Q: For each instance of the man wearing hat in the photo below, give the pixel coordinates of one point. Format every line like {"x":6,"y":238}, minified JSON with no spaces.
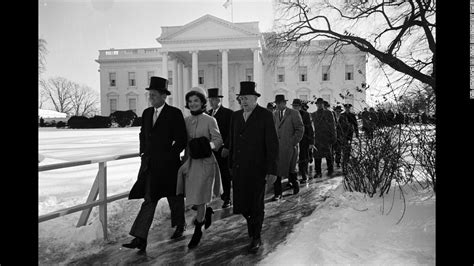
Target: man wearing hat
{"x":222,"y":115}
{"x":338,"y":145}
{"x":324,"y":137}
{"x":290,"y":130}
{"x":305,"y":142}
{"x":253,"y":151}
{"x":270,"y":107}
{"x":349,"y":126}
{"x":162,"y":138}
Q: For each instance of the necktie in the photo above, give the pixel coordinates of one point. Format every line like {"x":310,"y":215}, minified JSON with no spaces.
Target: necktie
{"x":155,"y":116}
{"x":281,"y":114}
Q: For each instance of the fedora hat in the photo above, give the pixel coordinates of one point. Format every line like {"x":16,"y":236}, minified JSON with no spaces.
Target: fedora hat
{"x":296,"y":102}
{"x":347,"y":105}
{"x":213,"y":93}
{"x":338,"y":108}
{"x":280,"y":98}
{"x":248,"y":88}
{"x":320,"y":100}
{"x":159,"y":84}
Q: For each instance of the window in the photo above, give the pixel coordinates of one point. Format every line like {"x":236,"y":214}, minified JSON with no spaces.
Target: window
{"x":280,"y":74}
{"x":131,"y":79}
{"x":170,"y":77}
{"x":112,"y":79}
{"x":326,"y":73}
{"x":201,"y":77}
{"x":113,"y":105}
{"x":249,"y":74}
{"x":132,"y":104}
{"x":349,"y":72}
{"x":149,"y":75}
{"x":303,"y":73}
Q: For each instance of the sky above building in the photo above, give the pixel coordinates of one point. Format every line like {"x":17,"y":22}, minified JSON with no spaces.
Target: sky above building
{"x":76,"y":30}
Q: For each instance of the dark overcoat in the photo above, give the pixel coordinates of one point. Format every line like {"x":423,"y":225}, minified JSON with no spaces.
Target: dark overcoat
{"x":161,"y":146}
{"x":222,"y":117}
{"x":324,"y":132}
{"x":253,"y":154}
{"x":349,"y":126}
{"x":308,"y":136}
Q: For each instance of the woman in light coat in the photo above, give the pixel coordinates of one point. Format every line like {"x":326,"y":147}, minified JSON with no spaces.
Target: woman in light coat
{"x":199,"y":179}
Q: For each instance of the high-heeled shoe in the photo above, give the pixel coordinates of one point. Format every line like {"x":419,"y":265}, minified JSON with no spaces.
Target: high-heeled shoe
{"x":208,"y":217}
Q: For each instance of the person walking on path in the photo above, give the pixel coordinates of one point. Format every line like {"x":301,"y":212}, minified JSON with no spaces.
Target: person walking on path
{"x":222,"y":115}
{"x":199,"y":177}
{"x":290,"y":130}
{"x":305,"y":142}
{"x":252,"y":159}
{"x":162,"y":138}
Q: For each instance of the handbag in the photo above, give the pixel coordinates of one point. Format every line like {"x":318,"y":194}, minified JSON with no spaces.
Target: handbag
{"x":199,"y":148}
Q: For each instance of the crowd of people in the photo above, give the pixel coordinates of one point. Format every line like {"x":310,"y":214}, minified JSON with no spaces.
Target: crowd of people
{"x":244,"y":153}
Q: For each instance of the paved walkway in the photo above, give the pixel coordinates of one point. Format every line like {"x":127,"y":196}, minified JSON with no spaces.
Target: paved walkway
{"x":226,"y":241}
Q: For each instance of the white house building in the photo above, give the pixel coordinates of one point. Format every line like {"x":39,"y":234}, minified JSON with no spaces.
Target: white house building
{"x":212,"y":52}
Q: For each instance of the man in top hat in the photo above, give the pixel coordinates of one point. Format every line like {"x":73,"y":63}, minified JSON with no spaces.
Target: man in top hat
{"x":324,"y":137}
{"x":290,"y":130}
{"x":337,"y":148}
{"x":162,"y":138}
{"x":349,"y":126}
{"x":222,"y":115}
{"x":253,"y":151}
{"x":305,"y":142}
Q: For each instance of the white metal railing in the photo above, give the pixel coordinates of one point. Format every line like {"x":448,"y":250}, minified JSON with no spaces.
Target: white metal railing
{"x":99,"y":187}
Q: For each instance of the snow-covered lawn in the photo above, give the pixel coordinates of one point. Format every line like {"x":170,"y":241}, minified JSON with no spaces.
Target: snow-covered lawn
{"x":353,"y":229}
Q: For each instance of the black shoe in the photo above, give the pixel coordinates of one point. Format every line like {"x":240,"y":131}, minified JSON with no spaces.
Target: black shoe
{"x":197,"y":234}
{"x":296,"y":188}
{"x":255,"y":245}
{"x":276,"y":198}
{"x":136,"y":243}
{"x":208,"y":217}
{"x":226,"y":204}
{"x":178,"y":232}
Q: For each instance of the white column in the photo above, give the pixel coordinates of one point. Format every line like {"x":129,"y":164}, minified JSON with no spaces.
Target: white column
{"x":194,"y":80}
{"x":180,"y":86}
{"x":164,"y":67}
{"x":225,"y":78}
{"x":257,"y":74}
{"x":186,"y":81}
{"x":174,"y":63}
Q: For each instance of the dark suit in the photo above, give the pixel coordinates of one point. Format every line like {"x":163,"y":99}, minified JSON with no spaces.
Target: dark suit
{"x":160,"y":146}
{"x":253,"y":154}
{"x":223,"y":117}
{"x":324,"y":138}
{"x":308,"y":139}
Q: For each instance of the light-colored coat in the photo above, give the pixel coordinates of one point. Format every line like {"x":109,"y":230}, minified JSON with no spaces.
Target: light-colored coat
{"x":198,"y":179}
{"x":290,"y":131}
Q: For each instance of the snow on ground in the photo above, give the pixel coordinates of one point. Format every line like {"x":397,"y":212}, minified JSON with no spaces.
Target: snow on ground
{"x":351,"y":228}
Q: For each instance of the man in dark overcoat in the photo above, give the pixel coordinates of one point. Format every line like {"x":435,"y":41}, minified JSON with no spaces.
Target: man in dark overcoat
{"x":222,"y":115}
{"x":349,"y":127}
{"x":252,"y":159}
{"x":305,"y":142}
{"x":337,"y":148}
{"x":162,"y":138}
{"x":324,"y":137}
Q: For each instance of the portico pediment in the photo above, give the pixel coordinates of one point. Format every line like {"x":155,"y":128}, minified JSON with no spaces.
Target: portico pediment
{"x":207,"y":28}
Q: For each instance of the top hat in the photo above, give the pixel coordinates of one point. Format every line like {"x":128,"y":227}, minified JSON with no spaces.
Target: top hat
{"x":338,"y":108}
{"x":280,"y":98}
{"x":159,"y":84}
{"x":348,"y":105}
{"x":320,"y":100}
{"x":296,"y":102}
{"x":213,"y":93}
{"x":248,"y":88}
